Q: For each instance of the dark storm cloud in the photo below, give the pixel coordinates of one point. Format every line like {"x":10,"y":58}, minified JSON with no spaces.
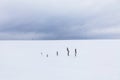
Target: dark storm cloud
{"x":62,"y":19}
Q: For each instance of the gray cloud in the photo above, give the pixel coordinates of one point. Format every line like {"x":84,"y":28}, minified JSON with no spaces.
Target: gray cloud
{"x":61,"y":19}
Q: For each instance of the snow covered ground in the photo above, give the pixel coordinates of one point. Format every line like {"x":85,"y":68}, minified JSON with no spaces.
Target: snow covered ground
{"x":95,"y":60}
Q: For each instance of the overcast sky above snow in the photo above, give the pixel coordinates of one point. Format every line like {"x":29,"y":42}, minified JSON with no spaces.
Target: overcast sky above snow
{"x":59,"y":19}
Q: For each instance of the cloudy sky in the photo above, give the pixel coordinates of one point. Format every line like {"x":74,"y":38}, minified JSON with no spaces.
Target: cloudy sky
{"x":59,"y":19}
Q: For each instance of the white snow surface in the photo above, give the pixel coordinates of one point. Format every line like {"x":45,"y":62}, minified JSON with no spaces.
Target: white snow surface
{"x":95,"y":60}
